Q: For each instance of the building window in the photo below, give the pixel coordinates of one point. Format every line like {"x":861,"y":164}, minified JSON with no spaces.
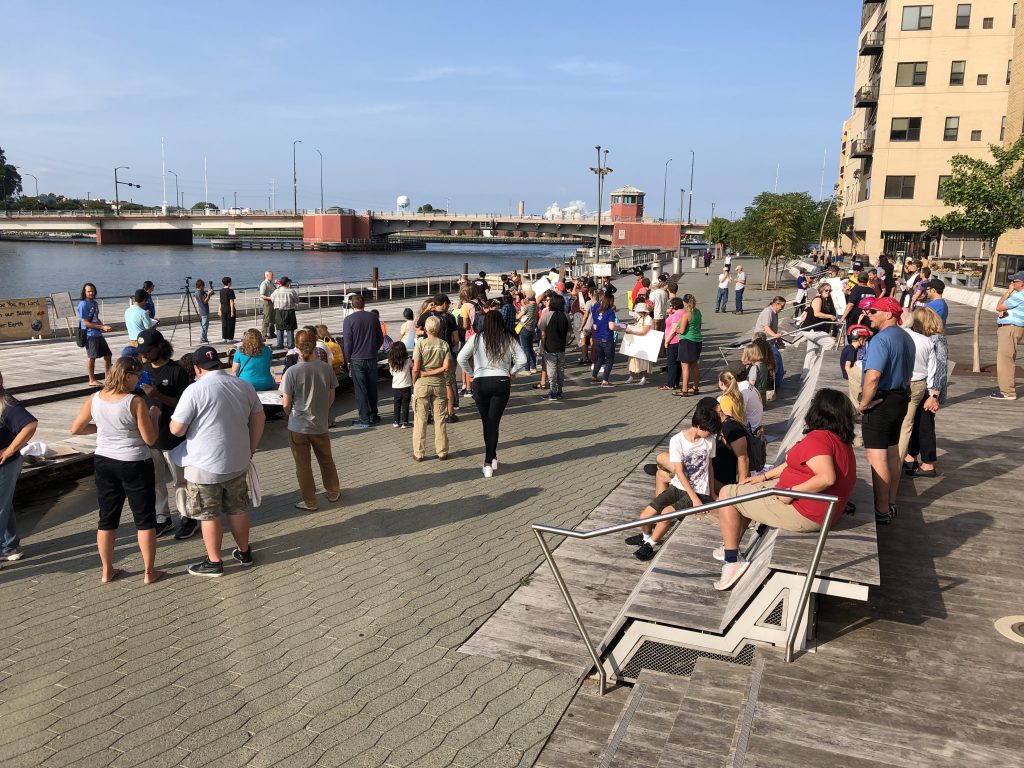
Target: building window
{"x":951,"y":129}
{"x":911,"y":73}
{"x":905,"y":129}
{"x":1002,"y":128}
{"x":956,"y":72}
{"x":982,"y":79}
{"x":986,"y":23}
{"x":899,"y":187}
{"x":942,"y":180}
{"x":963,"y":16}
{"x":975,"y":135}
{"x":1009,"y":70}
{"x":917,"y":17}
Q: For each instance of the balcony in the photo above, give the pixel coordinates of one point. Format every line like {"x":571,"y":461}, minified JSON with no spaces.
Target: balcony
{"x":872,"y":42}
{"x":862,"y":147}
{"x":866,"y":96}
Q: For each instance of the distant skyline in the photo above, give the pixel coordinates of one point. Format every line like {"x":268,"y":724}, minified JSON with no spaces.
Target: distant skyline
{"x":477,"y":104}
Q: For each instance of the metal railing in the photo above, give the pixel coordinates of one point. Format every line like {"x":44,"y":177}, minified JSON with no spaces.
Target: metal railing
{"x":540,"y":529}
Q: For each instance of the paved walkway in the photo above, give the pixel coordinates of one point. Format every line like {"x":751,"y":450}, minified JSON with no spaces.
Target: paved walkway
{"x":338,"y":647}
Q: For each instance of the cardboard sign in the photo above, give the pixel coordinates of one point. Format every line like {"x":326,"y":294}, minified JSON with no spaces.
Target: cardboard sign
{"x":644,"y":347}
{"x":838,"y":297}
{"x":63,"y":307}
{"x":23,"y":319}
{"x":601,"y":270}
{"x":540,"y":286}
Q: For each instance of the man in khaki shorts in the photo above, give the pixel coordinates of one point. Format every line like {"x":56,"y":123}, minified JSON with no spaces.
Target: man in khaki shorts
{"x":221,"y":419}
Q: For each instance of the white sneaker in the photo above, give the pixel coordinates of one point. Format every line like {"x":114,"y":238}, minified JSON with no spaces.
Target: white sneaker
{"x":494,"y":464}
{"x":719,"y":554}
{"x":731,"y":573}
{"x":643,"y":380}
{"x":629,"y":380}
{"x":488,"y":472}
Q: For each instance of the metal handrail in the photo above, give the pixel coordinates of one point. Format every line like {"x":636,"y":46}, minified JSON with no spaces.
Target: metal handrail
{"x":723,"y":348}
{"x":539,"y":529}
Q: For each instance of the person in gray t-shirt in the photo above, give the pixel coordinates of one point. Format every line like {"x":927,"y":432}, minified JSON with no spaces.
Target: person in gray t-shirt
{"x":308,"y":392}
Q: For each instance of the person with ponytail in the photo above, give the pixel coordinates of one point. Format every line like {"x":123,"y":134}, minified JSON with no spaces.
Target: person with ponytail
{"x":492,"y":358}
{"x":17,"y":426}
{"x":307,"y":396}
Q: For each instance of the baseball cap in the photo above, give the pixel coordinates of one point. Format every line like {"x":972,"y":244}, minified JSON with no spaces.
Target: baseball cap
{"x":129,"y":352}
{"x":149,"y":340}
{"x":867,"y":302}
{"x":859,"y":331}
{"x":1019,"y":275}
{"x":207,"y":358}
{"x":936,"y":285}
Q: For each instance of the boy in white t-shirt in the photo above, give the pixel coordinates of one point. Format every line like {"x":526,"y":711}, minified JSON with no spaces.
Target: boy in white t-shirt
{"x":690,"y":453}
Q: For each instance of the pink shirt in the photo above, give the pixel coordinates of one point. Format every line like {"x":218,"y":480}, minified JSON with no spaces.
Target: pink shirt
{"x":670,"y":323}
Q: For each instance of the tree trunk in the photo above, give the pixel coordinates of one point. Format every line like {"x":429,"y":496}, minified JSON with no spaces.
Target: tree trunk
{"x":767,"y":268}
{"x":986,"y":281}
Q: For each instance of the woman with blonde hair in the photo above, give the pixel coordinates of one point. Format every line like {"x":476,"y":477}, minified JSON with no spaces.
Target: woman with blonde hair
{"x":252,"y":362}
{"x":691,"y":342}
{"x":730,"y":390}
{"x":753,"y":360}
{"x":123,"y":465}
{"x":927,"y":322}
{"x":307,"y":391}
{"x":431,"y":360}
{"x":817,"y":324}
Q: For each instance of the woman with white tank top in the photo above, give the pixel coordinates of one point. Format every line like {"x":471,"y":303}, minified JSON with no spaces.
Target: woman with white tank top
{"x":124,"y":430}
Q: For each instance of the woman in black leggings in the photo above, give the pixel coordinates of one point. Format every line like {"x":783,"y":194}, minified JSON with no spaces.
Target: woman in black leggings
{"x":492,"y":358}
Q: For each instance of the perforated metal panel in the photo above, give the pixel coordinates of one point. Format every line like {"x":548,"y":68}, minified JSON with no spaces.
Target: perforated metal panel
{"x":775,"y":617}
{"x":677,"y":660}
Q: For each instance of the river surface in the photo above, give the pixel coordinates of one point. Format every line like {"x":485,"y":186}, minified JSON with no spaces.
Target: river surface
{"x":29,"y":269}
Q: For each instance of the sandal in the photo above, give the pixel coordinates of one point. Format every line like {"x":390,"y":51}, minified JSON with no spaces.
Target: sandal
{"x":538,"y":386}
{"x":680,"y":393}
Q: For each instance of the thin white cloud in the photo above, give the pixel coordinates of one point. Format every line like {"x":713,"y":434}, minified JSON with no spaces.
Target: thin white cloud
{"x":429,"y":74}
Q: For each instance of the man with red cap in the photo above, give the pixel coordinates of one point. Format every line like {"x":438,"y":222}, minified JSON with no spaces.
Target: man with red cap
{"x":884,"y":398}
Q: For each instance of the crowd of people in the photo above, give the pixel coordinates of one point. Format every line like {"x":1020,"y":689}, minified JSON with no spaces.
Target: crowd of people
{"x":192,"y":427}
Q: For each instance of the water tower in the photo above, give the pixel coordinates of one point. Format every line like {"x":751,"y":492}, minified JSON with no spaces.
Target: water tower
{"x":403,"y":203}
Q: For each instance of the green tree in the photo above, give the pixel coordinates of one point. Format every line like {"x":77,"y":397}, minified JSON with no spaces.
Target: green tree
{"x":775,"y":226}
{"x":717,"y":233}
{"x":426,"y":208}
{"x":10,"y":179}
{"x":988,"y":199}
{"x":203,"y":205}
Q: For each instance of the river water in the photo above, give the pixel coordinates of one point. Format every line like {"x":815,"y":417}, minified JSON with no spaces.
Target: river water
{"x":29,"y":269}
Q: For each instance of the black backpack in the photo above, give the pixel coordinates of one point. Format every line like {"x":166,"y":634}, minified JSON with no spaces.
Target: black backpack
{"x":478,"y":318}
{"x":757,"y":449}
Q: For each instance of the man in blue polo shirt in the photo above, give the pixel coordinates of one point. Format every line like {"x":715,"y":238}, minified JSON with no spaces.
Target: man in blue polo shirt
{"x":884,"y":398}
{"x":1010,"y":310}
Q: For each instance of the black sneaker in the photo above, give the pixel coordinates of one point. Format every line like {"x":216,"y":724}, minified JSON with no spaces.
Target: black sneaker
{"x":245,"y":558}
{"x":207,"y":568}
{"x":644,"y":552}
{"x":635,"y":541}
{"x":188,"y":528}
{"x":452,"y":418}
{"x":651,"y":469}
{"x":164,"y":527}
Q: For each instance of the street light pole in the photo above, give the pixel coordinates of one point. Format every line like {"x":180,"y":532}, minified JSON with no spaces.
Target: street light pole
{"x":682,"y":196}
{"x":295,"y":181}
{"x":664,"y":190}
{"x":177,"y":201}
{"x":37,"y":183}
{"x":321,"y":180}
{"x":601,"y":170}
{"x":689,"y":208}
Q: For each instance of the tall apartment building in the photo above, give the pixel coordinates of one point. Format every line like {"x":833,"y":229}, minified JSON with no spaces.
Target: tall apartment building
{"x":932,"y":81}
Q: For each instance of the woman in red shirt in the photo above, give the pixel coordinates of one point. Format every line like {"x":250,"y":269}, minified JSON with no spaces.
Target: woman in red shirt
{"x":822,"y":462}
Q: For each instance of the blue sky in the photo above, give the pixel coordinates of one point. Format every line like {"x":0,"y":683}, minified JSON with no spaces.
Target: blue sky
{"x":483,"y":104}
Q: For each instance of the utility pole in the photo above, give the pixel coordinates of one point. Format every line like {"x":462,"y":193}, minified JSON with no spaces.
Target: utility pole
{"x":163,"y":176}
{"x":295,"y":181}
{"x":601,"y":170}
{"x":206,"y":189}
{"x":689,"y":209}
{"x":321,"y":180}
{"x":664,"y":190}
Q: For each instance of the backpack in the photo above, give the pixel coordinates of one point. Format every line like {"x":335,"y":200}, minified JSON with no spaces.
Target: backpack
{"x":387,"y":344}
{"x":757,"y":449}
{"x":478,"y":319}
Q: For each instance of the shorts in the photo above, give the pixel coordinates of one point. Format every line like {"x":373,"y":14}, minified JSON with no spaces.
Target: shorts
{"x":207,"y":502}
{"x":689,"y":351}
{"x":770,"y":510}
{"x":449,"y":376}
{"x":96,"y":346}
{"x":676,"y":498}
{"x":880,"y":427}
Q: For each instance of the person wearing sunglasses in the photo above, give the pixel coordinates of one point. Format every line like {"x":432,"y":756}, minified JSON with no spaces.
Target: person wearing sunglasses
{"x":884,"y":399}
{"x":1010,"y":311}
{"x":818,"y":322}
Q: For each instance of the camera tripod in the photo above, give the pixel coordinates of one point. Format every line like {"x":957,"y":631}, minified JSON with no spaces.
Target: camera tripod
{"x":187,"y":304}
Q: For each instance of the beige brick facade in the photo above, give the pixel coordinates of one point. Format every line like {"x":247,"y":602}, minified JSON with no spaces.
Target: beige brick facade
{"x":898,"y":141}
